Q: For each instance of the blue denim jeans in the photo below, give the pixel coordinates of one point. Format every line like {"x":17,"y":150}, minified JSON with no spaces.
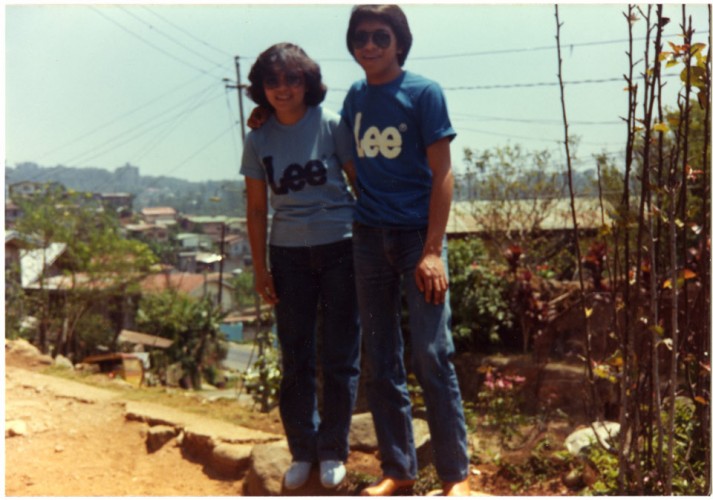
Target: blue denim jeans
{"x":305,"y":278}
{"x":384,"y":262}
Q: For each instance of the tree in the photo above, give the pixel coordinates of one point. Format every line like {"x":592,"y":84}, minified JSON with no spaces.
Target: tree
{"x":517,"y":191}
{"x":660,"y":271}
{"x":194,"y":327}
{"x":100,"y":267}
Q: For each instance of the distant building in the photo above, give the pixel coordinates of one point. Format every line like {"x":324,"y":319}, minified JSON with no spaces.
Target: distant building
{"x":210,"y":225}
{"x":15,"y":243}
{"x":480,"y":217}
{"x":12,"y":213}
{"x":28,"y":189}
{"x":163,"y":215}
{"x":121,"y":203}
{"x":146,"y":232}
{"x":128,"y":177}
{"x":236,"y":246}
{"x":199,"y":262}
{"x":195,"y":285}
{"x":40,"y":264}
{"x":194,"y":241}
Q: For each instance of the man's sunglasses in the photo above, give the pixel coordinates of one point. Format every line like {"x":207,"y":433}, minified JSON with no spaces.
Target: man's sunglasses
{"x":381,"y":38}
{"x":290,"y":79}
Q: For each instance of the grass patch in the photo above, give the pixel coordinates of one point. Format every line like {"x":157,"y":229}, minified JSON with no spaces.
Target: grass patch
{"x":184,"y":400}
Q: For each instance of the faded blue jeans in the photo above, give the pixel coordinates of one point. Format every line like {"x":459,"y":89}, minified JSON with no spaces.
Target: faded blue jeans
{"x":305,"y":278}
{"x":384,"y":262}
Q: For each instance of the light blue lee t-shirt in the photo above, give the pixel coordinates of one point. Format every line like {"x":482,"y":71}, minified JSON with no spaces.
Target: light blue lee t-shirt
{"x":302,"y":166}
{"x":393,"y":124}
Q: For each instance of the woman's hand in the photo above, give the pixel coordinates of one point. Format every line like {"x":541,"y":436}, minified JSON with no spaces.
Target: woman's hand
{"x":265,"y":287}
{"x":258,"y":117}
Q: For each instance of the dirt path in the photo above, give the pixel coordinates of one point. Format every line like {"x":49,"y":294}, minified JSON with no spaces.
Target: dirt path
{"x":65,"y":438}
{"x":78,"y":443}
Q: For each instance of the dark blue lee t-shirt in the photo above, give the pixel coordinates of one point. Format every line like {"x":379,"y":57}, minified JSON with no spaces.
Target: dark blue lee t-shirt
{"x":392,"y":125}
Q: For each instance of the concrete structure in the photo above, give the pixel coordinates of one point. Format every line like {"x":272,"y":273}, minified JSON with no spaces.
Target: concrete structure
{"x":479,"y":217}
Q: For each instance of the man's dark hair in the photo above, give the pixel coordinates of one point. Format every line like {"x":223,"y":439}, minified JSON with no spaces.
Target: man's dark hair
{"x":388,"y":14}
{"x":284,"y":57}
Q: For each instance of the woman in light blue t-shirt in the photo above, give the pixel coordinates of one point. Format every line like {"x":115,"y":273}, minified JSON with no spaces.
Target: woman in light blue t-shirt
{"x":297,"y":160}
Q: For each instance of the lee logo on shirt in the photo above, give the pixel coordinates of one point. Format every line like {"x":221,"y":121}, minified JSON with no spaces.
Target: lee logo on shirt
{"x":296,"y":176}
{"x":374,"y":141}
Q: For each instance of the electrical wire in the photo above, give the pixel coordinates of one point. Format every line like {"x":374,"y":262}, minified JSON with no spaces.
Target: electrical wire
{"x":182,"y":30}
{"x":177,"y":167}
{"x":132,"y":134}
{"x":169,"y":37}
{"x":232,"y":120}
{"x":167,"y":131}
{"x":516,"y":50}
{"x":431,"y":57}
{"x":155,"y":47}
{"x":152,"y":101}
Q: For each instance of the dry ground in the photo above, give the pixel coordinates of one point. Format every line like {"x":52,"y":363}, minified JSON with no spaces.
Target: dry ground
{"x":78,"y":443}
{"x":81,"y":448}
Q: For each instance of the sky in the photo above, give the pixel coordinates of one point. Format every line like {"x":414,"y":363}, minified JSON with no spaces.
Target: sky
{"x":98,"y":85}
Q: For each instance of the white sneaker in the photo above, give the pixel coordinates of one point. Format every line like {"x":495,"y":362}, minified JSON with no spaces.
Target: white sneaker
{"x":331,"y":473}
{"x":297,"y":475}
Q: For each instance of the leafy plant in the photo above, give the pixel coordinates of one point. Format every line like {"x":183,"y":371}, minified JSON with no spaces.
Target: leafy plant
{"x":478,"y":296}
{"x":689,"y":462}
{"x":262,"y":379}
{"x":499,"y":403}
{"x":194,"y":327}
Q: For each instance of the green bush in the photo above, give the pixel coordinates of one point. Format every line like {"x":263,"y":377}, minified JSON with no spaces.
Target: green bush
{"x":689,"y":464}
{"x":481,"y":313}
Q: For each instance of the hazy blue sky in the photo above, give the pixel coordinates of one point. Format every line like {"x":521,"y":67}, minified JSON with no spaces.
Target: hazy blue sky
{"x":104,"y":85}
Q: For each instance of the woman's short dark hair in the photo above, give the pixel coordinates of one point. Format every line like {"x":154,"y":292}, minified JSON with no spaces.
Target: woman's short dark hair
{"x":283,"y":57}
{"x":388,"y":14}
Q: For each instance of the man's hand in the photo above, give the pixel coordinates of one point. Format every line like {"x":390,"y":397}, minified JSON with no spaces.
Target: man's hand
{"x":431,"y":279}
{"x":258,"y":117}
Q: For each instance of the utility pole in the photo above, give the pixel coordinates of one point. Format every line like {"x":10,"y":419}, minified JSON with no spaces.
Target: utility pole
{"x":240,"y":98}
{"x":222,"y":258}
{"x":258,"y":323}
{"x":239,"y":87}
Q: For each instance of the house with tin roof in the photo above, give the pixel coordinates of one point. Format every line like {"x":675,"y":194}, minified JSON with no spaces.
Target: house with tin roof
{"x":162,"y":215}
{"x":549,"y":216}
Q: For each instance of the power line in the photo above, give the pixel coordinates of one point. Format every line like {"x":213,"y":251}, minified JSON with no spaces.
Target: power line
{"x":166,"y":53}
{"x":169,"y":129}
{"x":169,"y":37}
{"x":517,"y":50}
{"x":232,"y":120}
{"x":133,"y":133}
{"x":112,"y":121}
{"x":542,"y":121}
{"x":533,"y":49}
{"x":521,"y":137}
{"x":203,"y":42}
{"x":183,"y":163}
{"x":152,"y":101}
{"x":498,"y":86}
{"x":200,"y":150}
{"x":445,"y":56}
{"x":160,"y":114}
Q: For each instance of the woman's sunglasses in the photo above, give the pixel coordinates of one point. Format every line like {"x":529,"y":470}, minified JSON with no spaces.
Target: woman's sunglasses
{"x":290,"y":79}
{"x":381,"y":38}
